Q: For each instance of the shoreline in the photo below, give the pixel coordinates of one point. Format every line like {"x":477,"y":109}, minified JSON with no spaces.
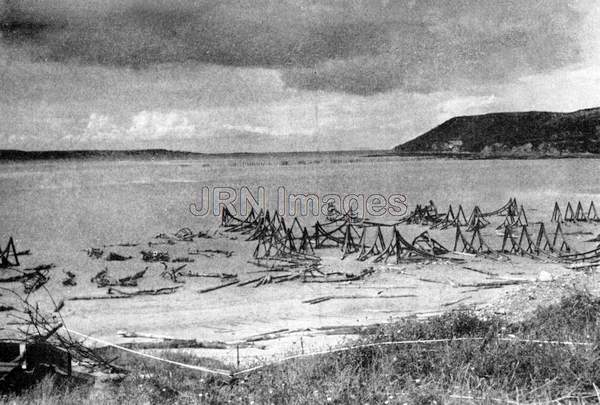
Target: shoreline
{"x":19,"y":156}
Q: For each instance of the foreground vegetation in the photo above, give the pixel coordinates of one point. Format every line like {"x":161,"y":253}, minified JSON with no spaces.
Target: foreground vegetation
{"x":480,"y":371}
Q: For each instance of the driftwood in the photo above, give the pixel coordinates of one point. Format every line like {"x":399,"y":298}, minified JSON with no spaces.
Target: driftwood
{"x":218,"y":287}
{"x":70,"y":280}
{"x":112,"y":256}
{"x":155,"y":256}
{"x":427,"y":280}
{"x":488,"y":273}
{"x":35,"y":281}
{"x":103,"y":280}
{"x":95,"y":253}
{"x":447,"y":304}
{"x":185,"y":234}
{"x":125,"y":244}
{"x":19,"y":277}
{"x":131,"y":281}
{"x":167,"y":342}
{"x":176,"y":344}
{"x":41,"y":267}
{"x":494,"y":284}
{"x":318,"y":300}
{"x":348,"y":276}
{"x":125,"y":294}
{"x":173,"y":273}
{"x":209,"y":275}
{"x":211,"y":252}
{"x":183,"y":260}
{"x":254,"y":280}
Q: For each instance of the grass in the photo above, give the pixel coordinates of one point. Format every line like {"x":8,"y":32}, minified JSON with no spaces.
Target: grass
{"x":482,"y":371}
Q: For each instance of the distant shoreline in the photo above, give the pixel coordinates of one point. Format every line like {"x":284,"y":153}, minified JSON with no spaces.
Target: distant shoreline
{"x":164,"y":154}
{"x":13,"y":155}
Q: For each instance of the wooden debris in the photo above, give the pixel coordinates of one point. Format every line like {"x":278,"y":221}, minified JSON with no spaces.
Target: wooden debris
{"x":70,"y":280}
{"x":112,"y":256}
{"x":185,"y":234}
{"x":319,"y":300}
{"x":131,"y":281}
{"x":481,"y":271}
{"x":125,"y":244}
{"x":95,"y":253}
{"x":101,"y":278}
{"x":447,"y":304}
{"x":495,"y":284}
{"x":157,"y":291}
{"x":172,"y":273}
{"x":218,"y":287}
{"x":155,"y":256}
{"x":125,"y":294}
{"x":35,"y":281}
{"x":183,"y":260}
{"x":9,"y":256}
{"x":211,"y":252}
{"x":210,"y":275}
{"x":41,"y":267}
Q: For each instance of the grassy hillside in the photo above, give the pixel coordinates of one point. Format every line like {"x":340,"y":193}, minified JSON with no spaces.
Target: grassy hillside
{"x":455,"y":372}
{"x":519,"y":133}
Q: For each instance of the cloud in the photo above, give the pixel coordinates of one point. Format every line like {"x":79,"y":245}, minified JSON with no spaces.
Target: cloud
{"x":101,"y":128}
{"x":143,"y":126}
{"x":355,"y":46}
{"x":154,"y":124}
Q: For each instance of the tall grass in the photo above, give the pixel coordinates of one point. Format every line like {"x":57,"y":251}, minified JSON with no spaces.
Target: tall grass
{"x":479,"y":371}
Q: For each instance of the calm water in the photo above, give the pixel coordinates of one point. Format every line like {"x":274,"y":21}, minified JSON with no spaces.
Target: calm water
{"x":76,"y":204}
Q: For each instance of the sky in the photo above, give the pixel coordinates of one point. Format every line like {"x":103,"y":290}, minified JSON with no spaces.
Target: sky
{"x":282,"y":75}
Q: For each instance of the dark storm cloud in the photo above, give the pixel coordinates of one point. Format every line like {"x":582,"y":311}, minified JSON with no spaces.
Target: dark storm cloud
{"x":361,"y":47}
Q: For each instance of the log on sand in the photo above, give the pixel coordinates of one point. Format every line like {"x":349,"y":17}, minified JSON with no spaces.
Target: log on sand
{"x":218,"y":287}
{"x":318,"y":300}
{"x":125,"y":294}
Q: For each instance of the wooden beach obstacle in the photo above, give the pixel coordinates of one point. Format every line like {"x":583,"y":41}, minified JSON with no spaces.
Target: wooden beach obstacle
{"x":476,"y":220}
{"x":8,"y":255}
{"x":446,"y":219}
{"x":542,"y":241}
{"x":557,"y":215}
{"x":475,"y":245}
{"x":510,"y":243}
{"x":377,"y":248}
{"x":460,"y":219}
{"x":349,"y":245}
{"x":426,"y":243}
{"x":403,"y":251}
{"x":510,"y":208}
{"x":569,"y":213}
{"x":579,"y":214}
{"x":305,"y":243}
{"x":592,"y":214}
{"x":589,"y":256}
{"x":424,"y":215}
{"x":525,"y":244}
{"x":560,"y":240}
